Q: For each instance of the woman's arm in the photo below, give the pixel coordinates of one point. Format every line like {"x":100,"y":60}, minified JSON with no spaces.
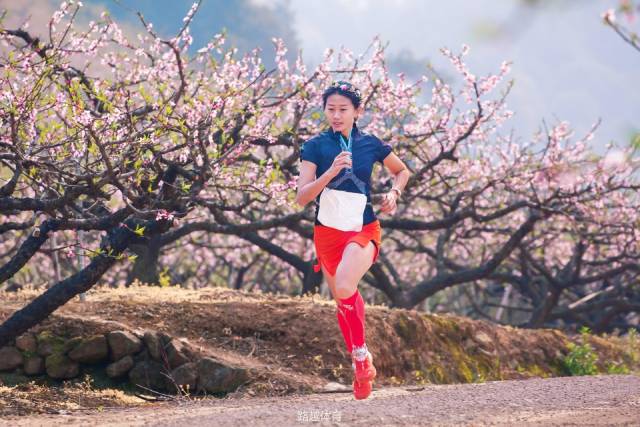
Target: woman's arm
{"x":309,"y":187}
{"x":401,"y":175}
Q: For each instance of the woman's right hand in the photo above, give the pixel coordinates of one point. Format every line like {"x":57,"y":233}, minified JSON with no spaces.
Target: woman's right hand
{"x":342,"y":160}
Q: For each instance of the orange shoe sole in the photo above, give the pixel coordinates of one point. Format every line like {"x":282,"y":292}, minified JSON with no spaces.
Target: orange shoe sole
{"x":361,"y":390}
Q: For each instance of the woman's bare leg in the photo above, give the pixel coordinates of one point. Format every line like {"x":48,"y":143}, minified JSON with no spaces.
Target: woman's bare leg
{"x":331,"y":282}
{"x":355,"y":263}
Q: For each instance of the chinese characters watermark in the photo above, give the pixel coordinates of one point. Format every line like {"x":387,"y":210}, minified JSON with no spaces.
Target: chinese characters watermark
{"x":319,"y":415}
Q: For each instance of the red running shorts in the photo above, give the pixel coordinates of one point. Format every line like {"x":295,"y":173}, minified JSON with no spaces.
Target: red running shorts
{"x":330,"y":243}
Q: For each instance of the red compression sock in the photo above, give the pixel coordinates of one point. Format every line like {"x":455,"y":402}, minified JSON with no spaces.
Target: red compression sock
{"x":344,"y":327}
{"x":353,"y":310}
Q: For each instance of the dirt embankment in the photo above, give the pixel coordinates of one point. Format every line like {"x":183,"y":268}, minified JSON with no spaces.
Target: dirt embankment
{"x":293,"y":345}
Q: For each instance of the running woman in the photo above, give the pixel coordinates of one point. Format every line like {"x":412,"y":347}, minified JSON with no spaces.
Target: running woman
{"x":335,"y":170}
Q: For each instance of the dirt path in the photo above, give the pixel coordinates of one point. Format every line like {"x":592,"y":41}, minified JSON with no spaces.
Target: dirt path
{"x":576,"y":401}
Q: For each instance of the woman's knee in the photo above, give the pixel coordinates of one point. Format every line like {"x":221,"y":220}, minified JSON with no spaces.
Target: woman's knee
{"x":346,"y":291}
{"x":345,"y":285}
{"x":332,"y":288}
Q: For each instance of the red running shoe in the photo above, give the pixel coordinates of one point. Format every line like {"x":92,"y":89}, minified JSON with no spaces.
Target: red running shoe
{"x":361,"y":390}
{"x":362,"y":363}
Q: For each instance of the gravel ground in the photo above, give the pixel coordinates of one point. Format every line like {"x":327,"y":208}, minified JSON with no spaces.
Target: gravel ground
{"x":612,"y":400}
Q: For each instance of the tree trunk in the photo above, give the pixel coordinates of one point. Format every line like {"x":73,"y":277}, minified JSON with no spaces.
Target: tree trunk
{"x":28,"y":248}
{"x":113,"y":245}
{"x":541,"y":313}
{"x":312,"y":280}
{"x":239,"y":281}
{"x":145,"y":268}
{"x":57,"y":295}
{"x":54,"y":297}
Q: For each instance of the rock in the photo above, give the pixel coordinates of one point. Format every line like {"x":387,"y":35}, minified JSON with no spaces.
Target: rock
{"x":10,"y":358}
{"x":214,"y":377}
{"x":190,"y":351}
{"x":27,"y":342}
{"x":177,"y":352}
{"x":123,"y":343}
{"x":143,"y":355}
{"x":90,"y":350}
{"x":148,"y":374}
{"x":154,"y":344}
{"x":34,"y":365}
{"x":334,"y":387}
{"x":49,"y":344}
{"x":164,"y":348}
{"x":120,"y":367}
{"x":71,"y":344}
{"x":184,"y":376}
{"x":165,"y":338}
{"x":60,"y":367}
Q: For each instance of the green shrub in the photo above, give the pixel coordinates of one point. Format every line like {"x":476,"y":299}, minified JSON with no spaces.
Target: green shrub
{"x":617,"y":368}
{"x":581,"y":359}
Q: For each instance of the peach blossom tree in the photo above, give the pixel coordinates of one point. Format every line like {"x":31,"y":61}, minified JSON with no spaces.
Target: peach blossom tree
{"x":138,"y":154}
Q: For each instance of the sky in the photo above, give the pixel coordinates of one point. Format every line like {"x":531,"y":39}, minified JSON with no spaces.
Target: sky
{"x":566,"y":64}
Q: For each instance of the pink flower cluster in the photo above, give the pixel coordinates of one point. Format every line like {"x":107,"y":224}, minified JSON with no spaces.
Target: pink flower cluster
{"x":164,"y":215}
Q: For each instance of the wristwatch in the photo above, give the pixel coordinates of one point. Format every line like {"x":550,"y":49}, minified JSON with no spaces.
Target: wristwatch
{"x":397,"y":190}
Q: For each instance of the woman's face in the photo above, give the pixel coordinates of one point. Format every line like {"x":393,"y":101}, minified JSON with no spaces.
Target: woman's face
{"x":340,"y":113}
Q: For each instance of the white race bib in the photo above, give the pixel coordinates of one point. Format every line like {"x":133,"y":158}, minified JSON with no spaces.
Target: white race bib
{"x":342,"y":210}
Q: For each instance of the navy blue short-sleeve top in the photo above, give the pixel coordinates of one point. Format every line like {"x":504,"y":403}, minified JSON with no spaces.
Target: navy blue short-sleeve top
{"x":367,"y":149}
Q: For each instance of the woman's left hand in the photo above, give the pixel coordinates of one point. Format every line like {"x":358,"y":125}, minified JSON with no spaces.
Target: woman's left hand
{"x":389,"y":203}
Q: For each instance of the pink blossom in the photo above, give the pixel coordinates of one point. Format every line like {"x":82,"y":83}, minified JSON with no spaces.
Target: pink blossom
{"x":164,"y":215}
{"x":609,"y":16}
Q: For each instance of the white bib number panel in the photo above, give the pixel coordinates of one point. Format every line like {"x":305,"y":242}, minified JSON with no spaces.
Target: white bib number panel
{"x":342,"y":210}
